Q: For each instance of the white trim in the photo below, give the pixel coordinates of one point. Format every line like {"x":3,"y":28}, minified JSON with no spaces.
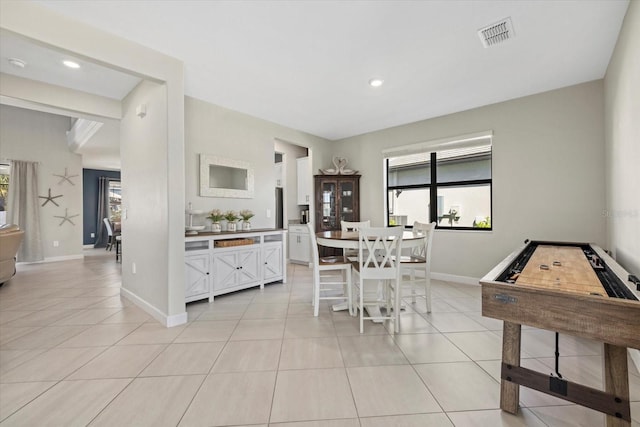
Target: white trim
{"x":168,"y":321}
{"x":466,"y":280}
{"x":634,"y":354}
{"x":176,"y":320}
{"x":54,"y":259}
{"x":81,"y":132}
{"x":459,"y":141}
{"x":89,"y":247}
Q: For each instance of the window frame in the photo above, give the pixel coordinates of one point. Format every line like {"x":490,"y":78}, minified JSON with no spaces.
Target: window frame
{"x":433,"y":187}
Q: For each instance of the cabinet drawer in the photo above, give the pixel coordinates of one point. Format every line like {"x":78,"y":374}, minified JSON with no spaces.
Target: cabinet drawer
{"x":298,"y":229}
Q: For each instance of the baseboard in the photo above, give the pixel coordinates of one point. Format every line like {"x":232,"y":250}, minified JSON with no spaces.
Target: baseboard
{"x":168,"y":321}
{"x":635,"y":357}
{"x":55,"y":259}
{"x":466,"y":280}
{"x":87,"y":246}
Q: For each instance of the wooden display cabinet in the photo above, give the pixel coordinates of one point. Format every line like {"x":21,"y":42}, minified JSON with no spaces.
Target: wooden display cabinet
{"x":337,"y":199}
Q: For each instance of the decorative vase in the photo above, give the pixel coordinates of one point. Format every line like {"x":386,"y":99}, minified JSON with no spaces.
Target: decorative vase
{"x":216,"y":227}
{"x":231,"y":226}
{"x":246,"y":225}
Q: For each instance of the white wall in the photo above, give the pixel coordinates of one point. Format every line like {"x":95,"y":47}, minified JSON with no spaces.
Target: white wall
{"x":41,"y":137}
{"x":622,"y":130}
{"x":144,"y":161}
{"x":215,"y":130}
{"x":43,"y":26}
{"x":548,"y":173}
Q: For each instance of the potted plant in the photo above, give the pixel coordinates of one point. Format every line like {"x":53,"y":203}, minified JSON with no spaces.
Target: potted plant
{"x":246,"y":215}
{"x":216,"y":216}
{"x":231,"y":217}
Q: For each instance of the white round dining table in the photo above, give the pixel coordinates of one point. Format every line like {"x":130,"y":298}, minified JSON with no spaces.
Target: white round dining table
{"x":349,"y":240}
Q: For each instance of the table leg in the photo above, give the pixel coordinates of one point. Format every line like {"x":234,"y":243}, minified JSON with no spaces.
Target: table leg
{"x":510,"y":391}
{"x":616,"y":379}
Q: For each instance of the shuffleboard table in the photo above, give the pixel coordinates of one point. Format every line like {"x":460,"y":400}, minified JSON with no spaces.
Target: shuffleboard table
{"x":569,"y":288}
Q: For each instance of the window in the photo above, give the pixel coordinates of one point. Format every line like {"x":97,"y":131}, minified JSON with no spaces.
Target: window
{"x":115,"y":200}
{"x":4,"y":192}
{"x":449,"y":184}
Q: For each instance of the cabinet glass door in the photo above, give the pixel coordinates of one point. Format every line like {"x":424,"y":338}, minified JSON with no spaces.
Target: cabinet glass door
{"x":328,"y":208}
{"x":346,"y":201}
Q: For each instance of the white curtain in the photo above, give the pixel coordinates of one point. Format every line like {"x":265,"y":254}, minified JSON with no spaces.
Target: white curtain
{"x":23,"y":208}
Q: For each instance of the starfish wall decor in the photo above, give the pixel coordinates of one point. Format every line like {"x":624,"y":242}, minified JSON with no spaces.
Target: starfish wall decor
{"x":66,"y":217}
{"x":50,"y":198}
{"x":65,"y":177}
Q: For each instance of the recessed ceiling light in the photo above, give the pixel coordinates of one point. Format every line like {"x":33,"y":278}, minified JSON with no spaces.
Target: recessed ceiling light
{"x":18,"y":63}
{"x":71,"y":64}
{"x":376,"y":82}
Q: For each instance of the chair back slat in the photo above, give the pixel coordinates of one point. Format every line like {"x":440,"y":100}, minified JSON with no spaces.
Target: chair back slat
{"x":423,"y":252}
{"x":107,"y":223}
{"x":378,"y":248}
{"x":354,"y":225}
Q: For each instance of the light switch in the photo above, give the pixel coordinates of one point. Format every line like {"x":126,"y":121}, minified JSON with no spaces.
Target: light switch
{"x":268,"y":213}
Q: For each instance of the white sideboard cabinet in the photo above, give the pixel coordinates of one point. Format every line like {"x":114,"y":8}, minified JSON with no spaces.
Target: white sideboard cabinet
{"x":219,"y":263}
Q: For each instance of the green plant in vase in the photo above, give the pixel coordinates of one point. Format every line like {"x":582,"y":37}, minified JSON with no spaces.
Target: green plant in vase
{"x":246,"y":215}
{"x":231,"y":217}
{"x":216,"y":216}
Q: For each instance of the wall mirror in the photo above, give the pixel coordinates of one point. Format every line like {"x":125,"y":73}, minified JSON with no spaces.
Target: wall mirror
{"x":220,"y":177}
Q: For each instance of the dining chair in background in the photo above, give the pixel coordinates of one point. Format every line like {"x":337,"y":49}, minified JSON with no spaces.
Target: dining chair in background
{"x":353,"y":226}
{"x":111,"y":240}
{"x":326,"y":283}
{"x":378,"y":260}
{"x":419,"y":260}
{"x":118,"y":247}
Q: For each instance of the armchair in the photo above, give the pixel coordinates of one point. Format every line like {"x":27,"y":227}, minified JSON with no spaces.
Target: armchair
{"x":10,"y":240}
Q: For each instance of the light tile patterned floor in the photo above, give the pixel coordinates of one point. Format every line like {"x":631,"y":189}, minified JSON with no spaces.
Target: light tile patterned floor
{"x":73,"y":353}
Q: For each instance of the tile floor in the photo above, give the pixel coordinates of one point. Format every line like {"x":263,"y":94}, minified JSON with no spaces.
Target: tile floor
{"x":73,"y":353}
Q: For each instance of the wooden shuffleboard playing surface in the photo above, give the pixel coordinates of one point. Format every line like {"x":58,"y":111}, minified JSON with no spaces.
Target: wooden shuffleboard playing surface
{"x":562,"y":268}
{"x":569,"y":288}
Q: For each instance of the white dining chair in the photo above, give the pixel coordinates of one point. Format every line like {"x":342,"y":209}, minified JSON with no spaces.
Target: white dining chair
{"x":110,"y":234}
{"x":326,"y":284}
{"x":119,"y":248}
{"x":352,"y":226}
{"x":419,"y":261}
{"x":378,"y":250}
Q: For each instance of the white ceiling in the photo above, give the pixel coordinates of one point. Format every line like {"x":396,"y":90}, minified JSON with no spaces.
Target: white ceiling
{"x":45,"y":64}
{"x":306,"y":64}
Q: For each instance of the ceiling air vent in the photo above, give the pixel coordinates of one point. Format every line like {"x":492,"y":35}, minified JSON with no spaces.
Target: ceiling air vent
{"x":496,"y":33}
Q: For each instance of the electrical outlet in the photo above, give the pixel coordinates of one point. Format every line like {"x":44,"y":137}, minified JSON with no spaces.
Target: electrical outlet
{"x":56,"y":243}
{"x":93,"y":235}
